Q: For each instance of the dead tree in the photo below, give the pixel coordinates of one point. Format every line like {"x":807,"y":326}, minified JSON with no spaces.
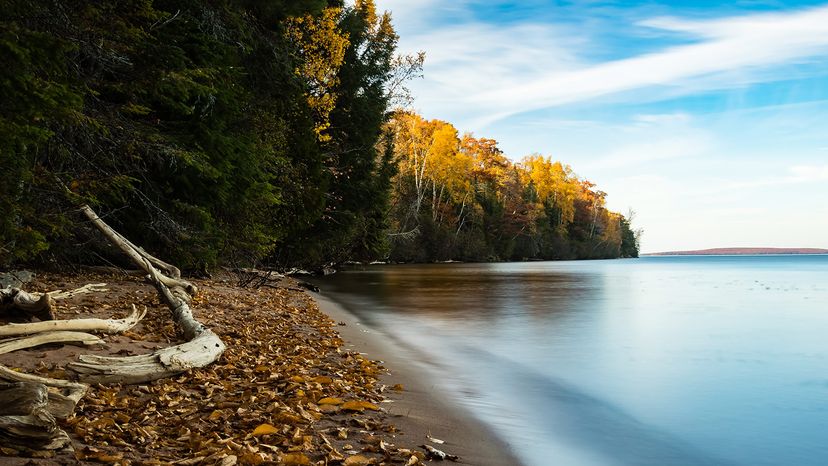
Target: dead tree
{"x":30,"y":404}
{"x":202,"y":348}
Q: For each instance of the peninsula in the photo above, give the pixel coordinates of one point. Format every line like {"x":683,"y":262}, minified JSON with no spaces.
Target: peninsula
{"x":740,"y":252}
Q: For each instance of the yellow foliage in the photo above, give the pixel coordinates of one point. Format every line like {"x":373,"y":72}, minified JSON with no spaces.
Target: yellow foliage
{"x":320,"y":47}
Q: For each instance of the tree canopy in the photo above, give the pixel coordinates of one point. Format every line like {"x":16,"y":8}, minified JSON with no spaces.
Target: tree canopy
{"x":461,"y":198}
{"x":243,"y":132}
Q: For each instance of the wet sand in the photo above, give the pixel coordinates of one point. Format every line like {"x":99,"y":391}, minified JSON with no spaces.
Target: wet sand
{"x":420,"y":409}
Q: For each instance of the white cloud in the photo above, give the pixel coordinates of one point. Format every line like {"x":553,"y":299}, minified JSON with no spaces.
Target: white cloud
{"x":665,"y":148}
{"x":808,"y":173}
{"x":662,"y":118}
{"x":796,"y":174}
{"x":479,"y":73}
{"x":728,"y":45}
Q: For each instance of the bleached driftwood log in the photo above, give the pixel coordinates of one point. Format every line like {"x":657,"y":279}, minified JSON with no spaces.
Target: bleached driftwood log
{"x":139,"y":257}
{"x":203,"y":347}
{"x":61,"y":389}
{"x":88,"y":288}
{"x":39,"y":305}
{"x":28,"y":407}
{"x":25,"y":420}
{"x":15,"y":299}
{"x":14,"y":344}
{"x":110,"y":326}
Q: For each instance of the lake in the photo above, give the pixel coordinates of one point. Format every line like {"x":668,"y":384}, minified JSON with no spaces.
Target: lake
{"x":653,"y":361}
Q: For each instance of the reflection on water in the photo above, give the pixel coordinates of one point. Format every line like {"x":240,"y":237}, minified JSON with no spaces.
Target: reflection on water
{"x":655,"y":361}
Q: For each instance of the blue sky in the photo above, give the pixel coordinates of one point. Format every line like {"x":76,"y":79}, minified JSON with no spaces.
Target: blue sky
{"x":708,"y":120}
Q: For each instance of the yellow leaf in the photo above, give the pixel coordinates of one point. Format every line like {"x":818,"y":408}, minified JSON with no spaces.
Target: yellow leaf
{"x":265,"y":429}
{"x":295,"y":459}
{"x":356,"y":460}
{"x":368,"y":405}
{"x":323,"y":380}
{"x":353,"y":406}
{"x":329,"y":401}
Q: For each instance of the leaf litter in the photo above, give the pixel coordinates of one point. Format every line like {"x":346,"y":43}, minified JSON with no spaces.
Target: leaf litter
{"x":285,"y":392}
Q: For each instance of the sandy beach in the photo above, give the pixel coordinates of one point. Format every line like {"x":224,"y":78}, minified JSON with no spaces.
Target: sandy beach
{"x":295,"y":387}
{"x":420,"y":409}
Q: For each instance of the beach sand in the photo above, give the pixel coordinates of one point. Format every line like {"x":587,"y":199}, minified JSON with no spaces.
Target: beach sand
{"x":420,"y":409}
{"x":283,"y":356}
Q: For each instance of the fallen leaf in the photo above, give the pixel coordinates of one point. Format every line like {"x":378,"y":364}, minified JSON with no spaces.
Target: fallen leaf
{"x":329,"y":401}
{"x":264,"y":429}
{"x":295,"y":459}
{"x":356,"y":460}
{"x":353,"y":406}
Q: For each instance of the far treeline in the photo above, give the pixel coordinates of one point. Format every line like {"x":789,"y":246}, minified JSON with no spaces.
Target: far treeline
{"x":241,"y":132}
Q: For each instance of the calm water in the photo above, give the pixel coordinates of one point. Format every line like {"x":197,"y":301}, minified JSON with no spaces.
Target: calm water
{"x":654,"y":361}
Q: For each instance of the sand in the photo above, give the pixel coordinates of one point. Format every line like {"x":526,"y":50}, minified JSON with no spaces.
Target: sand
{"x":287,"y":319}
{"x":421,"y":409}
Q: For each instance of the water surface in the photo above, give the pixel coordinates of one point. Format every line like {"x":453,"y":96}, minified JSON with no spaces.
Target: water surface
{"x":652,"y":361}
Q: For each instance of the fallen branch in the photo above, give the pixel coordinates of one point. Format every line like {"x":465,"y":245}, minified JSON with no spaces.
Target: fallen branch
{"x":17,"y":300}
{"x":90,"y":288}
{"x":138,"y":256}
{"x":203,"y":347}
{"x":14,"y":344}
{"x":25,"y":420}
{"x":40,"y":305}
{"x":110,"y":326}
{"x":71,"y":390}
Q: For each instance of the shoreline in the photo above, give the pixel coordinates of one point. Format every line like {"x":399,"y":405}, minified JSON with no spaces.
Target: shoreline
{"x":419,"y":409}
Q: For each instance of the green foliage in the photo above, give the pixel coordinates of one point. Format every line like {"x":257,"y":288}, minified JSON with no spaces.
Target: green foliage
{"x":188,"y":125}
{"x":241,"y":131}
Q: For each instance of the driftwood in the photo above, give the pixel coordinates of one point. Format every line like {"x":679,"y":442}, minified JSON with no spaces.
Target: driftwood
{"x":110,"y":326}
{"x":203,"y":347}
{"x":139,"y":257}
{"x":25,"y":420}
{"x":15,"y":300}
{"x":30,"y":404}
{"x":14,"y":344}
{"x":66,"y":389}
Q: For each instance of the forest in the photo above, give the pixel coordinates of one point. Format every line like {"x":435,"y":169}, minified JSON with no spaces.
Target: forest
{"x":239,"y":132}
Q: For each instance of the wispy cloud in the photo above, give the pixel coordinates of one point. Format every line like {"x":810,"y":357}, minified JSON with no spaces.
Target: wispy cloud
{"x":796,"y":174}
{"x":662,"y":118}
{"x":665,"y":148}
{"x":725,"y":46}
{"x":485,"y":72}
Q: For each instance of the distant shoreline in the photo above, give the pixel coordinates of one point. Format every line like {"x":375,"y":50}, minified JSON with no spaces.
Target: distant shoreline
{"x":743,"y":252}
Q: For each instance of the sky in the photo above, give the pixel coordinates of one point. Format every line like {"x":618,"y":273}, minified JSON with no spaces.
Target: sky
{"x":708,"y":119}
